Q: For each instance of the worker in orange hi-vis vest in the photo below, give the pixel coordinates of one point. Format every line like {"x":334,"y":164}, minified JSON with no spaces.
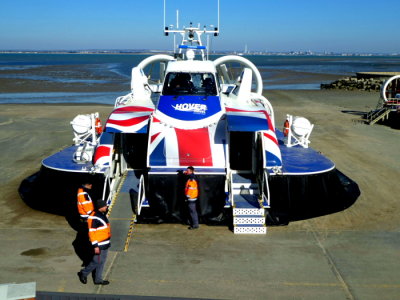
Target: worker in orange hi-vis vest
{"x":100,"y":235}
{"x":85,"y":203}
{"x":192,"y":193}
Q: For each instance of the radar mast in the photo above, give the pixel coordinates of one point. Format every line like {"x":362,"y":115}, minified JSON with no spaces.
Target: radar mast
{"x":191,"y":37}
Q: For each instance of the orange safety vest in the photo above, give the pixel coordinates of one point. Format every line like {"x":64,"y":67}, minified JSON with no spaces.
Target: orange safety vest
{"x":85,"y":204}
{"x":99,"y":230}
{"x":191,"y":190}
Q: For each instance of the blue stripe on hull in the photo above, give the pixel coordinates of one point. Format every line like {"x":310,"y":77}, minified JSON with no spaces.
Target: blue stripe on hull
{"x":157,"y":157}
{"x":246,"y":123}
{"x":189,"y":108}
{"x":272,"y":160}
{"x":115,"y":130}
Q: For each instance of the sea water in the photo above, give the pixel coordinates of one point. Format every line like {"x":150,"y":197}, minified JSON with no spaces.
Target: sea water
{"x":97,"y":70}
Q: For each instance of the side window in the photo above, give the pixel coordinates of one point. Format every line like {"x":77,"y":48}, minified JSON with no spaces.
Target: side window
{"x":208,"y":85}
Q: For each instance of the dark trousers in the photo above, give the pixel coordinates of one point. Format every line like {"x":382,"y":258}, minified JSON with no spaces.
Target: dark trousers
{"x":97,"y":264}
{"x":193,"y":213}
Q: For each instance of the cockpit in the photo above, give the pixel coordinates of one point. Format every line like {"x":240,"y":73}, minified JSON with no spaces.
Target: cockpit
{"x":185,"y":83}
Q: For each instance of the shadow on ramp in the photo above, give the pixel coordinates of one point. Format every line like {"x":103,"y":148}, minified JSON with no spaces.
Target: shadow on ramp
{"x":354,"y":112}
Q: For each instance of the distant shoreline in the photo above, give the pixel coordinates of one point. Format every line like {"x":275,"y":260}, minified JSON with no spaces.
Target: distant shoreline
{"x":226,"y":52}
{"x":81,"y":53}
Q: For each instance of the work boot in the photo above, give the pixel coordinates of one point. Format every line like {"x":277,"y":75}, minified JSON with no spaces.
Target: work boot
{"x":82,"y":278}
{"x":103,"y":282}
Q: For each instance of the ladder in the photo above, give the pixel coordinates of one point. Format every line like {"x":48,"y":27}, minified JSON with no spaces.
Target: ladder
{"x":248,"y":212}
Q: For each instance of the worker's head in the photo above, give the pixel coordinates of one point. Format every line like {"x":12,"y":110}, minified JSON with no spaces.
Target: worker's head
{"x":190,"y":170}
{"x":101,"y":206}
{"x":88,"y":185}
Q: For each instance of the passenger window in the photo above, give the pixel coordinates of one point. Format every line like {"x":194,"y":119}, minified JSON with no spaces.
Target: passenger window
{"x":202,"y":84}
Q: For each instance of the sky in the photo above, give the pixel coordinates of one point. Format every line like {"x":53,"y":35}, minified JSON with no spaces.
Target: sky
{"x":357,"y":26}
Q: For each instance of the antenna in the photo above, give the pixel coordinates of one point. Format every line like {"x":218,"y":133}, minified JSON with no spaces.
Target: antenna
{"x":167,"y":29}
{"x":164,"y":13}
{"x":218,"y":19}
{"x":191,"y":36}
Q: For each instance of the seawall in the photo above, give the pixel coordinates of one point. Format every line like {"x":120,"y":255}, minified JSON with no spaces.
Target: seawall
{"x":366,"y":81}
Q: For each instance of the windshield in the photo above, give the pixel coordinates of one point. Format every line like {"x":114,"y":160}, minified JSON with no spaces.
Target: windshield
{"x":190,"y":84}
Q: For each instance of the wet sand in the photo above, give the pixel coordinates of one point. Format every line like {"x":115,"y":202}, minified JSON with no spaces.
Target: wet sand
{"x":61,"y":78}
{"x":346,"y":245}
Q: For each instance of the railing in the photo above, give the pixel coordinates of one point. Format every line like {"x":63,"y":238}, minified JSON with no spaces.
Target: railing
{"x":373,"y":114}
{"x":376,"y":115}
{"x":392,"y":102}
{"x":230,"y":190}
{"x":113,"y":175}
{"x":107,"y":184}
{"x":141,"y":194}
{"x":266,"y":187}
{"x":382,"y":110}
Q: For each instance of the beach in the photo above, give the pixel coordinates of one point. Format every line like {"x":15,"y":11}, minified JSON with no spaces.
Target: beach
{"x":363,"y":239}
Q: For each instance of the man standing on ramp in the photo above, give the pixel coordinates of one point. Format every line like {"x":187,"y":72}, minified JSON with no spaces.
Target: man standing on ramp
{"x":191,"y":193}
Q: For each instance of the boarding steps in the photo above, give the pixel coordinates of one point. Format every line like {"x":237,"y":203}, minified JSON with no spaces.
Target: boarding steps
{"x":248,"y":212}
{"x":379,"y":114}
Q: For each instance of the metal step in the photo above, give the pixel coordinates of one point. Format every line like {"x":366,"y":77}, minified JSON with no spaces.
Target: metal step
{"x":248,"y":211}
{"x":245,"y":191}
{"x":248,"y":215}
{"x":243,"y":178}
{"x":246,"y":219}
{"x":247,"y":205}
{"x":246,"y":201}
{"x":247,"y":185}
{"x":249,"y":229}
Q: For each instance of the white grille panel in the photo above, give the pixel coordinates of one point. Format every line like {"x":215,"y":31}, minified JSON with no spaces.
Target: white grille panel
{"x":248,"y":211}
{"x":248,"y":220}
{"x":250,"y":230}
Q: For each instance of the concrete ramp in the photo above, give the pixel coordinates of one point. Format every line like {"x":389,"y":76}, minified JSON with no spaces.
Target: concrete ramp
{"x":122,"y":215}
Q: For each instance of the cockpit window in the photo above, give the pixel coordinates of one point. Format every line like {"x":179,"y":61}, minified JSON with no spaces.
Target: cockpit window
{"x":190,"y":84}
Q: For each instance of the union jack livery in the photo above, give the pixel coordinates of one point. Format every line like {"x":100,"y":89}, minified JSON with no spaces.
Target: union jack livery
{"x":211,"y":115}
{"x":129,"y":119}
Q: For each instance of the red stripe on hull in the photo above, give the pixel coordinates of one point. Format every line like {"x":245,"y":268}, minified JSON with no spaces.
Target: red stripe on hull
{"x":194,"y":147}
{"x":271,"y":138}
{"x":128,"y":122}
{"x":131,"y":108}
{"x":154,"y":136}
{"x":100,"y":152}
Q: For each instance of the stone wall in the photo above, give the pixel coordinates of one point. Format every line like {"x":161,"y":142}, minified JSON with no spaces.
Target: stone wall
{"x":354,"y":83}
